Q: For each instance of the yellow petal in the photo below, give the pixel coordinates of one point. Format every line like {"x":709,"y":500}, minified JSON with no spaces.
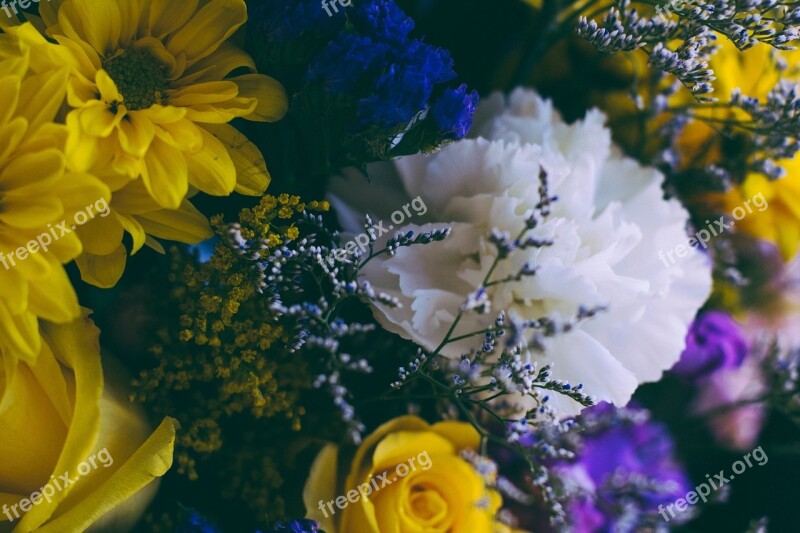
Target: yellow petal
{"x":252,"y":176}
{"x":33,"y":173}
{"x":19,"y":334}
{"x":463,"y":436}
{"x":98,"y":120}
{"x":136,"y":133}
{"x":82,"y":150}
{"x":97,"y":22}
{"x":75,"y":345}
{"x":166,"y":174}
{"x":10,"y":136}
{"x":321,"y":486}
{"x":136,"y":231}
{"x":209,"y":92}
{"x":33,"y":429}
{"x":212,"y":25}
{"x":54,"y":299}
{"x":103,"y":271}
{"x":101,"y":236}
{"x":218,"y":65}
{"x":167,"y":16}
{"x":187,"y":224}
{"x":43,"y":96}
{"x":151,"y":461}
{"x":212,"y":170}
{"x":270,"y":94}
{"x":13,"y":286}
{"x":10,"y":89}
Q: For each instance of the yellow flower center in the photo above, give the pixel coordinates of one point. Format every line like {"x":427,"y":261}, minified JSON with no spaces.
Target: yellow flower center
{"x":140,"y":77}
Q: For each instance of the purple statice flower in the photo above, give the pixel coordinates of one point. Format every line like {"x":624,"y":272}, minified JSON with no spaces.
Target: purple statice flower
{"x":453,"y":111}
{"x":295,"y":526}
{"x":714,"y":342}
{"x":624,"y":468}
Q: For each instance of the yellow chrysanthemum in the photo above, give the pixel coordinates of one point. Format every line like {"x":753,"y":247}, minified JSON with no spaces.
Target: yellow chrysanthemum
{"x":37,"y":193}
{"x":151,"y":98}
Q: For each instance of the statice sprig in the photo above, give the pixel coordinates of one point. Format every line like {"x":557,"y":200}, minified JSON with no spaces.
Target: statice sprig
{"x":487,"y":384}
{"x":694,"y":25}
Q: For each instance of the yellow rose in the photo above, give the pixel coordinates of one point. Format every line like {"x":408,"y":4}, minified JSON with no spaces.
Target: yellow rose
{"x":407,"y":477}
{"x":74,"y":453}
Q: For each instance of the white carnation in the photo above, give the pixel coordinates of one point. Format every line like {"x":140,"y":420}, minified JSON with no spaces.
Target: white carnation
{"x":608,"y":224}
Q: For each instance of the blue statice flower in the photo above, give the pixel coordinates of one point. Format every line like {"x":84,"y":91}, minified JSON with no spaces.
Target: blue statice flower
{"x":382,"y":19}
{"x":294,"y":526}
{"x":284,"y":20}
{"x":346,"y":61}
{"x":391,"y":75}
{"x":362,"y":87}
{"x":405,"y":88}
{"x":194,"y":522}
{"x":453,"y":111}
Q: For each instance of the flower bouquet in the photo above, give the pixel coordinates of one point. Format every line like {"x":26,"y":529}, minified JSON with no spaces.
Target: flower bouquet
{"x":399,"y":266}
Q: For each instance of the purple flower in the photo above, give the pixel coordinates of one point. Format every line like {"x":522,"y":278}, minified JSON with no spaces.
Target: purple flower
{"x":623,"y":470}
{"x":714,"y":342}
{"x":453,"y":111}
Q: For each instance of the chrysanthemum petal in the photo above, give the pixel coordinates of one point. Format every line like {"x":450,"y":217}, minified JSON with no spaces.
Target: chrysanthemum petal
{"x":210,"y":92}
{"x":13,"y":287}
{"x":20,"y":333}
{"x":212,"y":170}
{"x":218,"y":65}
{"x":103,"y":271}
{"x":54,"y":300}
{"x":97,"y":119}
{"x":15,"y":179}
{"x":270,"y":94}
{"x":108,"y":89}
{"x":101,"y":236}
{"x":136,"y":133}
{"x":252,"y":176}
{"x":97,"y":22}
{"x":135,"y":230}
{"x":166,"y":174}
{"x":39,"y":211}
{"x":186,"y":224}
{"x":42,"y":96}
{"x":213,"y":24}
{"x":10,"y":136}
{"x":166,"y":16}
{"x":10,"y":89}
